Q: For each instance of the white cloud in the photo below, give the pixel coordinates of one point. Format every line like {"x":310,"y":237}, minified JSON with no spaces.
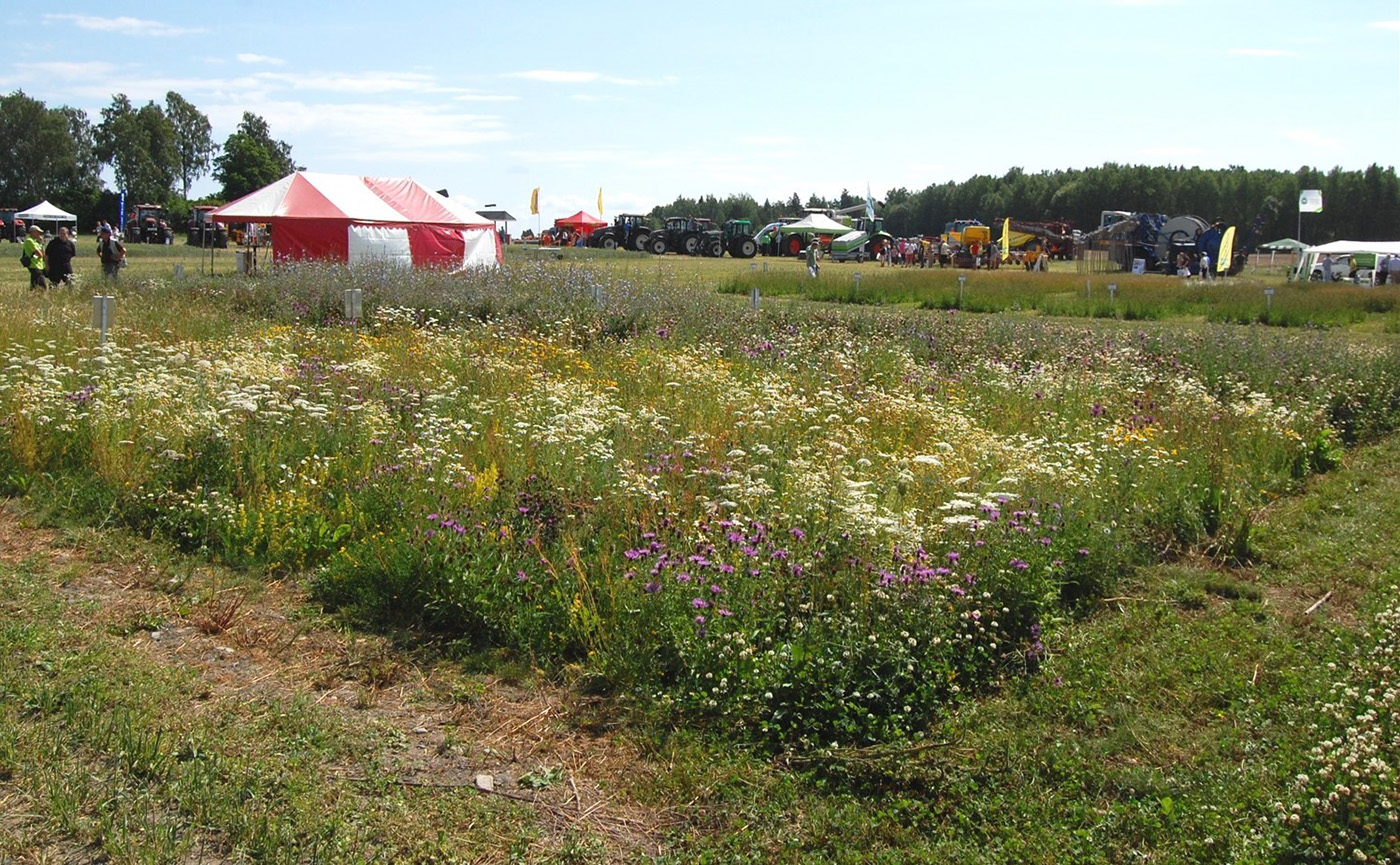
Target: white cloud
{"x":1312,"y":138}
{"x":124,"y":25}
{"x":1385,"y":25}
{"x":261,"y":59}
{"x":565,"y":76}
{"x":362,"y":82}
{"x":1172,"y":153}
{"x":1260,"y":52}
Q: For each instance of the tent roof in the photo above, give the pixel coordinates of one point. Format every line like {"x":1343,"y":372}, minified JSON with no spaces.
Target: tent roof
{"x":315,"y":195}
{"x":48,"y":212}
{"x":1337,"y":247}
{"x":581,"y":220}
{"x":820,"y":222}
{"x":1287,"y":244}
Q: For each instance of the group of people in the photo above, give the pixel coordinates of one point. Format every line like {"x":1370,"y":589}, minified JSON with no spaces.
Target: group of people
{"x":52,"y":263}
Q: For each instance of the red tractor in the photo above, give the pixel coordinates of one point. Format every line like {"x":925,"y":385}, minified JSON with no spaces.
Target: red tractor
{"x":147,"y":225}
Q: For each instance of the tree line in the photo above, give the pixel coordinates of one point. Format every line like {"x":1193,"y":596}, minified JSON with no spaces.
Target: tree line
{"x":1358,"y":205}
{"x":156,"y":153}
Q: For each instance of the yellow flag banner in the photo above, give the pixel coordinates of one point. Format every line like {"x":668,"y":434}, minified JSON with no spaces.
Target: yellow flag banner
{"x":535,"y":201}
{"x":600,"y":202}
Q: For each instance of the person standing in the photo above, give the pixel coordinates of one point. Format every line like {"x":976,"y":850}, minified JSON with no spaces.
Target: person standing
{"x":1394,"y":268}
{"x":32,"y":257}
{"x":1326,"y":267}
{"x":110,"y":252}
{"x":58,"y":258}
{"x":1205,"y":266}
{"x":813,"y":253}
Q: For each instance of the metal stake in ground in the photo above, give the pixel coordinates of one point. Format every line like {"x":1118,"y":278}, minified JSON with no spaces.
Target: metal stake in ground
{"x":1268,"y":301}
{"x":1112,"y":292}
{"x":753,"y":297}
{"x":962,"y":284}
{"x":104,"y":308}
{"x":354,"y":305}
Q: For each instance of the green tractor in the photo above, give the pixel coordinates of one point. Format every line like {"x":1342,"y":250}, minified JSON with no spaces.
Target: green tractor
{"x":739,"y":240}
{"x":695,"y":235}
{"x":628,"y":231}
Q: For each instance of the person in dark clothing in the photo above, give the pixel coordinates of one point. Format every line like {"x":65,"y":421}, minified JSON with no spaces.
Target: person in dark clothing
{"x":110,"y":251}
{"x":58,"y":258}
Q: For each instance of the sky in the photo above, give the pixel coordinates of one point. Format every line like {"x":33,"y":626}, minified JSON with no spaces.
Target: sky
{"x":650,"y":101}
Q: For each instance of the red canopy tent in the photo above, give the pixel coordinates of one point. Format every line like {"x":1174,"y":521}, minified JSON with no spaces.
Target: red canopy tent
{"x":343,"y":217}
{"x":580,"y":222}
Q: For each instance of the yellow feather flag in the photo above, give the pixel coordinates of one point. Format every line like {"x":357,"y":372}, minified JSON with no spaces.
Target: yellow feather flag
{"x":600,"y":202}
{"x":535,"y":201}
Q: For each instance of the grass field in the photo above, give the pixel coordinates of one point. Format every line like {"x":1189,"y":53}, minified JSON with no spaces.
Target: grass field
{"x":878,"y":580}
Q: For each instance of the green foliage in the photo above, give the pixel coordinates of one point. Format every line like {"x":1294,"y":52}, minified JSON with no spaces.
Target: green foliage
{"x":193,"y":144}
{"x":49,"y":154}
{"x":141,"y":146}
{"x":251,"y":158}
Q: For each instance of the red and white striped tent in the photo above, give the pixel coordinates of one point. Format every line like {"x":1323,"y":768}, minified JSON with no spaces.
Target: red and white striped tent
{"x":345,"y":217}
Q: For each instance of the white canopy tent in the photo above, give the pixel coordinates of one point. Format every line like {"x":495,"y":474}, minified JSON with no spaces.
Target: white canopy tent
{"x":46,"y":212}
{"x":817,"y":222}
{"x":1342,"y":247}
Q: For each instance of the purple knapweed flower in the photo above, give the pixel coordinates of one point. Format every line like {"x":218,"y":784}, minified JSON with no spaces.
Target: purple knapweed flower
{"x":699,"y":603}
{"x":652,"y":587}
{"x":1019,"y":565}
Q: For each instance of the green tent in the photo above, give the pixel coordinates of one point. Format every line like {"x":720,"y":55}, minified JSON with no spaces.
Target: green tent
{"x":1288,"y":244}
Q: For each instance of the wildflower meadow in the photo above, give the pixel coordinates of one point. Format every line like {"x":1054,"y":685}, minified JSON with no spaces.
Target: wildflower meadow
{"x":807,"y":525}
{"x":819,"y":525}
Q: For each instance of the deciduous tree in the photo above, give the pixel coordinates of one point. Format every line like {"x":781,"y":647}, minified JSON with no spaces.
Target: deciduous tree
{"x":251,"y":158}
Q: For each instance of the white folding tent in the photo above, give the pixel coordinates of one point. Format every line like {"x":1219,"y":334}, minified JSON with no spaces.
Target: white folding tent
{"x":46,"y":212}
{"x":1342,"y":247}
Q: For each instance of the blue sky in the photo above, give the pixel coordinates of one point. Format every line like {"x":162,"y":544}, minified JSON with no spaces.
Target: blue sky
{"x":653,"y":100}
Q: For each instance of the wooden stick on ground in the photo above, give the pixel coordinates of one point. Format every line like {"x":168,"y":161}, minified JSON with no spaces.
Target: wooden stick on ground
{"x":1320,"y":601}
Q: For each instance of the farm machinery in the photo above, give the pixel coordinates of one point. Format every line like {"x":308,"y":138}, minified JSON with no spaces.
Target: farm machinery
{"x":203,"y":231}
{"x":693,"y":235}
{"x":147,"y":225}
{"x":11,"y":228}
{"x":628,"y":231}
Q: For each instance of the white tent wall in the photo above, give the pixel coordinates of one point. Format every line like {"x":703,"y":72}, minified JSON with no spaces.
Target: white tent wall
{"x":379,"y":243}
{"x":482,"y":248}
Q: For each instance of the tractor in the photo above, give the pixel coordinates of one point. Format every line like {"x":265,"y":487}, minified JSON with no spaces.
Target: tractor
{"x":11,"y":229}
{"x":203,"y":231}
{"x":739,"y":240}
{"x":691,"y":235}
{"x":147,"y":225}
{"x":628,"y":231}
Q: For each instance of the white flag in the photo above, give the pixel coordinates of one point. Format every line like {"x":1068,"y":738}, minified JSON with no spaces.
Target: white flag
{"x":1310,"y":201}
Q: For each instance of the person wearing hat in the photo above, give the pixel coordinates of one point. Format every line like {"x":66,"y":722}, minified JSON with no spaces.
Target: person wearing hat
{"x":32,"y":257}
{"x":110,"y":252}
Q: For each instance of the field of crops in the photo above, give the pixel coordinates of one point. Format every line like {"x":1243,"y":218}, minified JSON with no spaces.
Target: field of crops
{"x":817,"y":525}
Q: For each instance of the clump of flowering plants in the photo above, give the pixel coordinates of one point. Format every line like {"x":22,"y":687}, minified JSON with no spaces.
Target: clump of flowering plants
{"x":1346,"y":805}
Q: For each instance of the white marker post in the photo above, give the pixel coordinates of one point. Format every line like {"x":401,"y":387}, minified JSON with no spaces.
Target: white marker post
{"x":962,"y":284}
{"x":1088,"y":289}
{"x":753,"y":266}
{"x":1112,"y":292}
{"x":179,"y":271}
{"x":354,"y":306}
{"x":104,"y":308}
{"x":1268,"y":300}
{"x":857,"y":282}
{"x":753,"y":297}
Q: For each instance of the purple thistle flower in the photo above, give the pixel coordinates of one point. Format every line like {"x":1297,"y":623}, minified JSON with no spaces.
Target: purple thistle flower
{"x":699,"y":603}
{"x":723,"y":612}
{"x":797,"y":533}
{"x":1019,"y":565}
{"x":715,"y":590}
{"x":652,"y":587}
{"x":1083,"y":551}
{"x":699,"y":620}
{"x":953,"y":557}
